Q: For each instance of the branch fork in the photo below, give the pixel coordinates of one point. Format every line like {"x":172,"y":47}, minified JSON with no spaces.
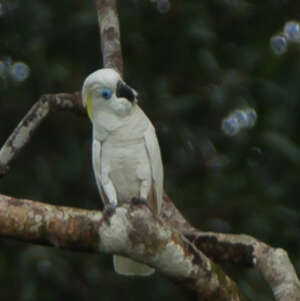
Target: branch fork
{"x":168,"y":242}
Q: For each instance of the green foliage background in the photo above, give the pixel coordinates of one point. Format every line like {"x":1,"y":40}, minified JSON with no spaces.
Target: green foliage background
{"x":191,"y":66}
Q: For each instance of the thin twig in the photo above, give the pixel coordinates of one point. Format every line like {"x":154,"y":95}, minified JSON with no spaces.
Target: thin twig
{"x":27,"y":126}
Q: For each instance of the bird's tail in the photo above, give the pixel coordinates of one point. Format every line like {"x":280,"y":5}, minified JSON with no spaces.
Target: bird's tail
{"x":128,"y":267}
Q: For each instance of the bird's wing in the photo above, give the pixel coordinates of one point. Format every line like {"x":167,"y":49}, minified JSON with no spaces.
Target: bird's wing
{"x":96,"y":153}
{"x":153,"y":150}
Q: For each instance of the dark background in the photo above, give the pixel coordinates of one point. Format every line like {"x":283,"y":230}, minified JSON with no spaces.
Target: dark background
{"x":192,"y":66}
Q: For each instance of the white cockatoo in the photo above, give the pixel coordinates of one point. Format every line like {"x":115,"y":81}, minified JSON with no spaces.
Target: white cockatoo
{"x":126,"y":155}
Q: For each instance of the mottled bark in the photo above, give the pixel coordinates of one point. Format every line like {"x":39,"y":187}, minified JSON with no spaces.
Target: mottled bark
{"x":112,"y":58}
{"x":242,"y":250}
{"x":50,"y":225}
{"x":170,"y":244}
{"x":245,"y":250}
{"x":131,"y":230}
{"x":25,"y":129}
{"x":109,"y":28}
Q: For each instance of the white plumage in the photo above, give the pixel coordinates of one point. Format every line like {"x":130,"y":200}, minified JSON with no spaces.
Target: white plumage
{"x":126,"y":155}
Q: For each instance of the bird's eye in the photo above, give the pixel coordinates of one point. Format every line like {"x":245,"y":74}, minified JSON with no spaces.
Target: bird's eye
{"x":106,"y":93}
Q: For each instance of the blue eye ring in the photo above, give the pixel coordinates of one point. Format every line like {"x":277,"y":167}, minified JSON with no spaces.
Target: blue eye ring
{"x":106,"y":93}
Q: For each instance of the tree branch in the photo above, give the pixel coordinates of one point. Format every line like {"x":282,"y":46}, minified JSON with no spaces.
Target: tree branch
{"x":112,"y":58}
{"x":243,"y":250}
{"x":273,"y":263}
{"x":27,"y":126}
{"x":109,"y":29}
{"x":175,"y":255}
{"x":131,"y":230}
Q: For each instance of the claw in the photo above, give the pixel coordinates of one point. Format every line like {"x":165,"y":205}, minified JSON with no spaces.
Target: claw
{"x":139,"y":201}
{"x":109,"y":210}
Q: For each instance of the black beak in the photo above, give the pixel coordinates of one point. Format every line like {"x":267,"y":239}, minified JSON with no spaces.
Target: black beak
{"x":125,"y":91}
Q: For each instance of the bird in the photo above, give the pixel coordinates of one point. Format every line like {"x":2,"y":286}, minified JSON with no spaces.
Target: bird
{"x":126,"y":155}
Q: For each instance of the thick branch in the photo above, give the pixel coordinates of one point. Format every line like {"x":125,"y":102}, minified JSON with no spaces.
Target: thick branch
{"x":244,"y":250}
{"x":78,"y":229}
{"x":240,"y":249}
{"x":273,"y":263}
{"x":131,"y":230}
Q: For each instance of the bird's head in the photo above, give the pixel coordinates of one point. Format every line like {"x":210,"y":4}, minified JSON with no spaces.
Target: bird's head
{"x":105,"y":90}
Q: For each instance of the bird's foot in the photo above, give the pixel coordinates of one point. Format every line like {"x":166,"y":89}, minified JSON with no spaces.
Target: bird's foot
{"x":109,"y":210}
{"x":139,"y":201}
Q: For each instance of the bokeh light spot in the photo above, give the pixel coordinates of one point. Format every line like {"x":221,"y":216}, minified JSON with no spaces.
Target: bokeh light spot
{"x":278,"y":44}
